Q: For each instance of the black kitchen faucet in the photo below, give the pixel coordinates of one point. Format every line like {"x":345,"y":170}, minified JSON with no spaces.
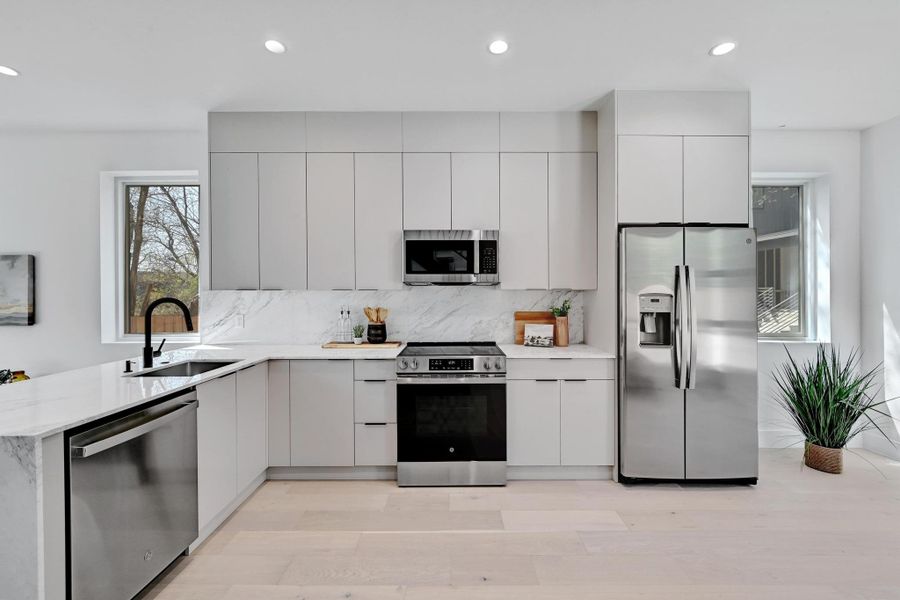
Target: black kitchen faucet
{"x":148,"y":346}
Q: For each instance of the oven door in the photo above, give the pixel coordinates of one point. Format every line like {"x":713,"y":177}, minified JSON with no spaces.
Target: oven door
{"x":451,"y":419}
{"x":439,"y":261}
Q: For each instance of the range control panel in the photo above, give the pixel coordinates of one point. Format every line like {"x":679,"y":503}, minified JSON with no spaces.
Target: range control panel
{"x":450,"y":364}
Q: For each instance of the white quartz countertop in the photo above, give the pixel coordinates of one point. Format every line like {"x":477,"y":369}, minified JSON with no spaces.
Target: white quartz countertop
{"x":573,"y":351}
{"x":48,"y":405}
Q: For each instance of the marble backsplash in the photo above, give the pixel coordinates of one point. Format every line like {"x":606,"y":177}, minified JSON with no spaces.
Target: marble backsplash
{"x":416,"y":313}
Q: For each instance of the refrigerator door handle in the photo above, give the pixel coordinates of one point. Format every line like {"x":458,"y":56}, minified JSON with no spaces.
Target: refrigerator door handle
{"x":677,"y":331}
{"x":689,"y":275}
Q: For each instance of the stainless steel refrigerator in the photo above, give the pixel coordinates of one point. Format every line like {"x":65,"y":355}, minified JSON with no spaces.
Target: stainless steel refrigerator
{"x":688,"y":335}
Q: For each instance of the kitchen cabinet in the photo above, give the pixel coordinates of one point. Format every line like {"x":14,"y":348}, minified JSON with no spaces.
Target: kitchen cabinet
{"x":279,"y":413}
{"x":572,"y":196}
{"x":683,"y":113}
{"x":252,"y":424}
{"x":257,"y":132}
{"x":322,"y":413}
{"x":329,"y":201}
{"x":282,"y":221}
{"x":524,"y":251}
{"x":379,"y":220}
{"x":234,"y":221}
{"x":375,"y":131}
{"x":426,"y":190}
{"x":587,"y":417}
{"x":532,"y":422}
{"x":467,"y":131}
{"x":376,"y":444}
{"x":548,"y":131}
{"x":650,"y":179}
{"x":375,"y":401}
{"x":216,"y":447}
{"x":475,"y":190}
{"x":717,"y":179}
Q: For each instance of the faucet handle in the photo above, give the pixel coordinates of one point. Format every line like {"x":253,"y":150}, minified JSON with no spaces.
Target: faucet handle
{"x":158,"y":351}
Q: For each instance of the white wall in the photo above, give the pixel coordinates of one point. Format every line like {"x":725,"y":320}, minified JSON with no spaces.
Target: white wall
{"x":881,"y":261}
{"x":836,"y":156}
{"x":49,"y":207}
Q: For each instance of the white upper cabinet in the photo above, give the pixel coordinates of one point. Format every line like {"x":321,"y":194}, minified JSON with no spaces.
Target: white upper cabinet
{"x":682,"y":113}
{"x":234,"y":220}
{"x":379,"y":220}
{"x":451,"y":132}
{"x":650,"y":179}
{"x":329,"y":201}
{"x":353,"y":132}
{"x":475,"y":185}
{"x":426,"y":190}
{"x":257,"y":132}
{"x":548,"y":131}
{"x":282,"y":221}
{"x":717,"y":179}
{"x":524,"y":251}
{"x":573,"y":220}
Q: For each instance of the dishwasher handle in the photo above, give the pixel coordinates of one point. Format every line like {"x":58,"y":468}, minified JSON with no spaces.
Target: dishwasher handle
{"x":143,"y":427}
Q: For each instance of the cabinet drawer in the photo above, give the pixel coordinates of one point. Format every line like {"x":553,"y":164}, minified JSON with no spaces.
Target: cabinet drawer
{"x":560,"y":368}
{"x":376,"y":445}
{"x":374,"y":369}
{"x":375,"y":402}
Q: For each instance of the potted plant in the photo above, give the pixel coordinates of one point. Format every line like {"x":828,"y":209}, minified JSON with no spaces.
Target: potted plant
{"x":358,"y":331}
{"x":561,"y":329}
{"x":830,"y":402}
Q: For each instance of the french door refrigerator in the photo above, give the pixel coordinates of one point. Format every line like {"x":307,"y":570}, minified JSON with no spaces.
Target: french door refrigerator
{"x":688,"y":335}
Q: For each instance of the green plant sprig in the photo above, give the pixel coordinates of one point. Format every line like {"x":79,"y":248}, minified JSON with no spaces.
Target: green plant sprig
{"x":563,"y":309}
{"x":358,"y":331}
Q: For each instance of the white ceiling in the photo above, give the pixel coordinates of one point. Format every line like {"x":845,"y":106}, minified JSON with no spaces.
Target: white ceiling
{"x":162,"y":64}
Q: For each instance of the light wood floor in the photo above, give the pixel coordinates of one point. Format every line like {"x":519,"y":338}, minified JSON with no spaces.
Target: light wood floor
{"x":798,"y":535}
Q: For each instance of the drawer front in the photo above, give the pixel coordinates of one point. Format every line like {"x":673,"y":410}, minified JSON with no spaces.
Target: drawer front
{"x":560,"y":368}
{"x":374,"y":369}
{"x":376,"y":445}
{"x":375,"y":402}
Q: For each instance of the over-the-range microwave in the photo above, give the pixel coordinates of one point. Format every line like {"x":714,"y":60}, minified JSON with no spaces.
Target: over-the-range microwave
{"x":451,"y":257}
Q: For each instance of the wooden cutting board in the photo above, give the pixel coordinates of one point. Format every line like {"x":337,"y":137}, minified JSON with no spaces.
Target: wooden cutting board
{"x":531,"y":317}
{"x":363,"y":346}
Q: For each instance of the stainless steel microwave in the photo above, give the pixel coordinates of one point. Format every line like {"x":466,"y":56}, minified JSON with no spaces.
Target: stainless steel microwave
{"x":451,"y":257}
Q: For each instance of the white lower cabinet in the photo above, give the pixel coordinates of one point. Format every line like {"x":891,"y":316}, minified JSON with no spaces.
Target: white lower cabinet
{"x":252,"y":424}
{"x":216,"y":447}
{"x":322,"y":413}
{"x":532,"y":422}
{"x":586,"y":414}
{"x":376,"y":444}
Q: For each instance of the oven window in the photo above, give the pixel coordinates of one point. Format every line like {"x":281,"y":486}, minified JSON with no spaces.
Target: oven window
{"x":440,"y":257}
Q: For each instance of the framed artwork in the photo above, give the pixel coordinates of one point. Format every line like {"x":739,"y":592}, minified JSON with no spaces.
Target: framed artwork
{"x":539,"y":335}
{"x":16,"y":289}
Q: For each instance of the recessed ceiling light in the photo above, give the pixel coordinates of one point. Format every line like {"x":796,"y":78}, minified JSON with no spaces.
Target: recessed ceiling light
{"x":275,"y":47}
{"x":498,"y":47}
{"x":8,"y":71}
{"x":722,"y":49}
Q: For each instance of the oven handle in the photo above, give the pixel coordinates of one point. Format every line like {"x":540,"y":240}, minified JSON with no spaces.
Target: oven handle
{"x":450,"y":381}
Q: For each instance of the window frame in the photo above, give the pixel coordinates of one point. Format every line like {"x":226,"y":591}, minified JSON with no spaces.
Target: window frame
{"x":807,"y":263}
{"x":113,"y":248}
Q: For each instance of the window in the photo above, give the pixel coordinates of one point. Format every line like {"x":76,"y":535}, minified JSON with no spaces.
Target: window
{"x":778,"y":215}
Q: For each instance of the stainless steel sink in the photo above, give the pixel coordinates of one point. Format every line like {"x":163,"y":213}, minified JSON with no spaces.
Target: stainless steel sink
{"x":187,"y":369}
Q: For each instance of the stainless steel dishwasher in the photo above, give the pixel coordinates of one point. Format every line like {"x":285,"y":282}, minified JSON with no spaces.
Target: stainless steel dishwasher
{"x":132,"y":498}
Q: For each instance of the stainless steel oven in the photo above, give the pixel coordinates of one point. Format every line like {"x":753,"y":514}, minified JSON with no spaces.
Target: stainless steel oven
{"x":451,"y":257}
{"x":451,"y":416}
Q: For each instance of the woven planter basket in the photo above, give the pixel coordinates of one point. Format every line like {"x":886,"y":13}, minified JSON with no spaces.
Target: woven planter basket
{"x":827,"y":460}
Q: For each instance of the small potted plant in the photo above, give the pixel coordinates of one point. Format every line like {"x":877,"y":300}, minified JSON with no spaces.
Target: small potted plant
{"x":561,"y":329}
{"x":830,"y":402}
{"x":358,"y":331}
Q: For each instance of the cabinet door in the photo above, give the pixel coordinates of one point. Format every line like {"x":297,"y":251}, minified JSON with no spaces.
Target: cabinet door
{"x":322,"y":413}
{"x":475,"y":185}
{"x":587,"y":414}
{"x":379,"y":221}
{"x":234,"y":221}
{"x":376,"y":444}
{"x":426,"y":190}
{"x":717,"y":180}
{"x":252,"y":424}
{"x":216,"y":447}
{"x":532,"y":422}
{"x":279,"y":413}
{"x":573,"y":220}
{"x":650,"y":179}
{"x":524,"y":252}
{"x":329,"y":205}
{"x":282,"y":221}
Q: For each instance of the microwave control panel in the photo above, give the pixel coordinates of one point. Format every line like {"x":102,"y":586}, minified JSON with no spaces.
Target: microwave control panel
{"x":487,"y":256}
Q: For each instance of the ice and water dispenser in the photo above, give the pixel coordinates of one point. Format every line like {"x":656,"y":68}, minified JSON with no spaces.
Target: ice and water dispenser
{"x":656,"y":319}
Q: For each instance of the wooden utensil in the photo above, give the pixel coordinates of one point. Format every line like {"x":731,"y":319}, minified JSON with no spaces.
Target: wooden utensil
{"x":382,"y":314}
{"x":530,"y":317}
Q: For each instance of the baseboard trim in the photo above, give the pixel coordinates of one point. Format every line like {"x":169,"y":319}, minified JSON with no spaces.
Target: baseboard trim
{"x":556,"y":473}
{"x":336,"y":473}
